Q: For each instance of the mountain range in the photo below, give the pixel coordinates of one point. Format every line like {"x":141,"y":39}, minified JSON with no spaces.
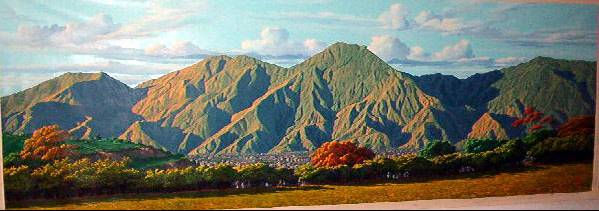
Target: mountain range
{"x":240,"y":105}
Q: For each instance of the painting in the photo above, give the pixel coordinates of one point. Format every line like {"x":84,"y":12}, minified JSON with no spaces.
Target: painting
{"x":160,"y":104}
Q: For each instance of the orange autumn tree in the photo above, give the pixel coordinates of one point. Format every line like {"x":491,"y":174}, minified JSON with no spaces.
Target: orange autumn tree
{"x":336,"y":153}
{"x":47,"y":143}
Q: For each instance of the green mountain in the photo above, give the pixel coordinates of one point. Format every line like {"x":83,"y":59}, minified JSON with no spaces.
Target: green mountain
{"x":89,"y":104}
{"x":232,"y":105}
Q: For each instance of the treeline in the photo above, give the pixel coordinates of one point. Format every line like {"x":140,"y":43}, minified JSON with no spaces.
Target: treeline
{"x":440,"y":158}
{"x":335,"y":162}
{"x":67,"y":178}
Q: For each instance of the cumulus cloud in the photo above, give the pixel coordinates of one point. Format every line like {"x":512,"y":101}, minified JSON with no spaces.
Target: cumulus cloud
{"x":418,"y":53}
{"x":394,"y":18}
{"x":394,"y":51}
{"x":387,"y":48}
{"x":428,"y":20}
{"x":275,"y":41}
{"x":94,"y":36}
{"x":70,"y":35}
{"x":460,"y":50}
{"x":178,"y":49}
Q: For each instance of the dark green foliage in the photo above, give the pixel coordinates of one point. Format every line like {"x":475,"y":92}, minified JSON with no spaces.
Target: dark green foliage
{"x":480,"y":145}
{"x":258,"y":173}
{"x":534,"y":138}
{"x":576,"y":147}
{"x":436,"y":148}
{"x":419,"y":166}
{"x":511,"y":152}
{"x":220,"y":175}
{"x":12,"y":143}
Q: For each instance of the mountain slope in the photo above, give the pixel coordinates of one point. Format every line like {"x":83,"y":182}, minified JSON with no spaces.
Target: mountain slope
{"x":92,"y":104}
{"x":342,"y":93}
{"x":232,"y":105}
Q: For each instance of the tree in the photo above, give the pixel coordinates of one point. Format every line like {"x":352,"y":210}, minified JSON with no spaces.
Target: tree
{"x":535,"y":120}
{"x":337,"y":153}
{"x":480,"y":145}
{"x":47,"y":143}
{"x":436,"y":148}
{"x":580,"y":125}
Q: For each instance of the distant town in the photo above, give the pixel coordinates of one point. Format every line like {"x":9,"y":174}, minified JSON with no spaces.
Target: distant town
{"x":280,"y":160}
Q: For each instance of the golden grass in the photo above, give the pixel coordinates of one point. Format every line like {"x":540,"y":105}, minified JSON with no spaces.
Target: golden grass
{"x":545,"y":179}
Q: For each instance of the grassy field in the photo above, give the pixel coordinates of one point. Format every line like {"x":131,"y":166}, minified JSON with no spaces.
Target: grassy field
{"x":14,"y":144}
{"x":543,"y":179}
{"x":103,"y":145}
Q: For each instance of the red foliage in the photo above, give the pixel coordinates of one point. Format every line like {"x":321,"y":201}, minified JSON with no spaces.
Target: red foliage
{"x":336,"y":153}
{"x":534,"y":119}
{"x":536,"y":127}
{"x":547,"y":119}
{"x":46,"y":143}
{"x":529,"y":110}
{"x":580,"y":125}
{"x":517,"y":123}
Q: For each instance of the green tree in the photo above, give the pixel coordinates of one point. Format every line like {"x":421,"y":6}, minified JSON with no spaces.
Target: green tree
{"x":480,"y":145}
{"x":436,"y":148}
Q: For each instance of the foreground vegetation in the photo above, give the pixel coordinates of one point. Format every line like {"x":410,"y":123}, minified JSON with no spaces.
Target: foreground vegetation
{"x":49,"y":166}
{"x":560,"y":178}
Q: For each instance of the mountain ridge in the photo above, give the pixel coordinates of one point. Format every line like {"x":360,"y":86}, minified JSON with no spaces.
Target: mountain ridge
{"x":231,"y":105}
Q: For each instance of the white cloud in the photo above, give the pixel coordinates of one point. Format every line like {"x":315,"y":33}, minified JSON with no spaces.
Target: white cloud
{"x":161,"y":16}
{"x":455,"y":55}
{"x":94,"y":36}
{"x":387,"y":48}
{"x":418,"y":53}
{"x":326,"y":18}
{"x":71,"y":35}
{"x":314,"y":46}
{"x":179,"y":48}
{"x":460,"y":50}
{"x":275,"y":41}
{"x":394,"y":18}
{"x":507,"y":61}
{"x":428,"y":20}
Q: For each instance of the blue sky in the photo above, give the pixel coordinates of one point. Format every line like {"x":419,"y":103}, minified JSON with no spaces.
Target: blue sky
{"x":136,"y":40}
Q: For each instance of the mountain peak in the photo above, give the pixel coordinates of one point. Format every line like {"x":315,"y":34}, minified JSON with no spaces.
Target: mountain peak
{"x":343,"y":53}
{"x":341,"y":47}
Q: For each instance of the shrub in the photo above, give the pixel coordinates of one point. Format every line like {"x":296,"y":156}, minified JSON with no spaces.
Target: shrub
{"x":17,"y":182}
{"x":480,"y":145}
{"x":220,"y":176}
{"x":581,"y":125}
{"x":336,"y":153}
{"x":418,"y":166}
{"x":535,"y":137}
{"x":436,"y":148}
{"x":258,"y":173}
{"x":575,"y":147}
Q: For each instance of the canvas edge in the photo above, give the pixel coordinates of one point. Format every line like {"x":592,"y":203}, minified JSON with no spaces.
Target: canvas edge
{"x":595,"y":185}
{"x":2,"y":205}
{"x":595,"y":182}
